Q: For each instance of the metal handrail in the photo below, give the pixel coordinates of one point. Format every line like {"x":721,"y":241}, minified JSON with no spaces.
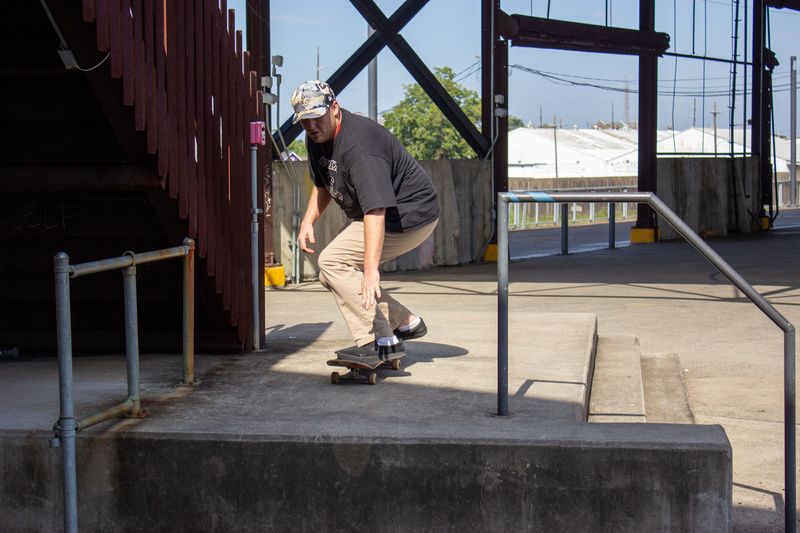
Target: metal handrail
{"x":68,"y":426}
{"x":789,"y":386}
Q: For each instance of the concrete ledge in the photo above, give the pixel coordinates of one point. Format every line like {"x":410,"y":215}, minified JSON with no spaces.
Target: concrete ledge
{"x":617,"y":393}
{"x":564,"y":477}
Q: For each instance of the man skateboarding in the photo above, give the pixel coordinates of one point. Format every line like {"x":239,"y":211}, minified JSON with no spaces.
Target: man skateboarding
{"x":393,"y":208}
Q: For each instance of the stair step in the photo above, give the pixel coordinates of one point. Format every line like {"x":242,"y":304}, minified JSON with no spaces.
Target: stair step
{"x":617,"y":393}
{"x":664,"y":390}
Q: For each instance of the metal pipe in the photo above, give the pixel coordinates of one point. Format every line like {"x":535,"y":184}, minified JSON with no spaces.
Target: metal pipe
{"x":112,"y":412}
{"x":131,"y":337}
{"x":564,"y":229}
{"x":502,"y":304}
{"x":789,"y":429}
{"x":65,"y":435}
{"x":188,"y":314}
{"x":116,"y":263}
{"x":254,"y":211}
{"x":793,"y":131}
{"x":790,"y":477}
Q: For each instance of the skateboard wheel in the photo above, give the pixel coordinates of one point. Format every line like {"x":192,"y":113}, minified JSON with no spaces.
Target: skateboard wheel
{"x":334,"y":377}
{"x":396,"y":364}
{"x":373,"y":378}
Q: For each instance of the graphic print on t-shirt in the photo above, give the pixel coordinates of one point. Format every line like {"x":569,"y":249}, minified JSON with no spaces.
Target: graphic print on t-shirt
{"x":331,"y":167}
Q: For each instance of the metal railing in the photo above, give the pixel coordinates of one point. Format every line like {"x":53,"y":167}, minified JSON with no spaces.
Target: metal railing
{"x":68,"y":426}
{"x":503,"y":200}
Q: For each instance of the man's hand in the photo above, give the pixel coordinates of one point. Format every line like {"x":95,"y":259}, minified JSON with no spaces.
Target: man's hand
{"x":370,"y":288}
{"x":305,"y":236}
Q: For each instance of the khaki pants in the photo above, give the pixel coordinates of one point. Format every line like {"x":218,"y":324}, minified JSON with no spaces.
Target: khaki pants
{"x":341,"y":265}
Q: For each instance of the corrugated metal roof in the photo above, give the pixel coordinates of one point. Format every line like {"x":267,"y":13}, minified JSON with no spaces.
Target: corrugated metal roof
{"x":584,"y":153}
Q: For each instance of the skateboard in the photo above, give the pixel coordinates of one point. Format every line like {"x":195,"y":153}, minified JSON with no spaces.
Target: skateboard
{"x":358,"y":369}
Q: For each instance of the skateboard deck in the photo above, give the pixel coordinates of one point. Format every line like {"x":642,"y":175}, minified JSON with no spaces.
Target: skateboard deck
{"x":366,"y":368}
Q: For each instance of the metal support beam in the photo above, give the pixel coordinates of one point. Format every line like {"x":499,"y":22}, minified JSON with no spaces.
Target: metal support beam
{"x":648,"y":101}
{"x":363,"y":55}
{"x":537,"y":32}
{"x":788,"y":4}
{"x":409,"y":58}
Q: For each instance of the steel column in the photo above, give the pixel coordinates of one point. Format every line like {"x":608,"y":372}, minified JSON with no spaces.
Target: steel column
{"x":793,"y":130}
{"x":648,"y":102}
{"x":564,"y":229}
{"x":67,"y":425}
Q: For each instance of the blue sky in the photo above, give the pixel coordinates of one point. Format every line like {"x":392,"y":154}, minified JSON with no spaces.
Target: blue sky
{"x":447,"y":33}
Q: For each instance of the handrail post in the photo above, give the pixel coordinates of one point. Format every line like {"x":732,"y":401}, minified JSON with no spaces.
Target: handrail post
{"x":789,"y":429}
{"x":502,"y":305}
{"x":612,"y":223}
{"x":66,"y":427}
{"x":565,"y":229}
{"x":131,"y":336}
{"x":188,"y":313}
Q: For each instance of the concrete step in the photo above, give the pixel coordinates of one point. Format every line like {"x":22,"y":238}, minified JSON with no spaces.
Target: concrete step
{"x":617,"y":393}
{"x":664,"y":390}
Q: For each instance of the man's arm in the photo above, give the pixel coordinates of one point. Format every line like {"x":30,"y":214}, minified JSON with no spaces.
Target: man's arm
{"x":317,"y":202}
{"x":374,"y":227}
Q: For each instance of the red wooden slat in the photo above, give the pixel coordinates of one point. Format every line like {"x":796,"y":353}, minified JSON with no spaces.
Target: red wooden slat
{"x":150,"y":76}
{"x":172,"y":104}
{"x":235,"y":70}
{"x":161,"y":88}
{"x":200,"y":112}
{"x":244,"y":182}
{"x":208,"y":87}
{"x":217,"y":179}
{"x":179,"y":111}
{"x":189,"y":117}
{"x":102,"y":25}
{"x":88,"y":10}
{"x":115,"y":32}
{"x":128,"y":73}
{"x":226,"y":125}
{"x":140,"y":93}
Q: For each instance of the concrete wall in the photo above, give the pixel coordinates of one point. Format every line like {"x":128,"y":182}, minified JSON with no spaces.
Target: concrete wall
{"x":700,"y":191}
{"x":582,"y":477}
{"x":465,"y":223}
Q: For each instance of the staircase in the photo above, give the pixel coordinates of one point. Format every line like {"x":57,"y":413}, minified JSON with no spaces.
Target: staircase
{"x":631,"y":387}
{"x":146,"y":145}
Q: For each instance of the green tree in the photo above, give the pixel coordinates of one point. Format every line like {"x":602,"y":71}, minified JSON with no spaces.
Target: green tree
{"x":299,"y":147}
{"x":423,"y":129}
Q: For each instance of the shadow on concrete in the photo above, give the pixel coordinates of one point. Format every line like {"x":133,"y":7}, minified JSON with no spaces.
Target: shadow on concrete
{"x":295,"y":337}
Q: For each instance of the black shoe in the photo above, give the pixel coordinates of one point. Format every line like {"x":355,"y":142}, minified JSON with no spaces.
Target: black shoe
{"x":415,"y":333}
{"x":383,"y":353}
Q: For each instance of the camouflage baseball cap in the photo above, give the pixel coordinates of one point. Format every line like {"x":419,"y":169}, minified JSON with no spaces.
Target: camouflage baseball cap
{"x":311,"y":99}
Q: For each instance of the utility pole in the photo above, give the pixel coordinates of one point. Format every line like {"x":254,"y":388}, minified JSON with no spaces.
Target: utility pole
{"x":627,"y":102}
{"x":317,"y":64}
{"x":793,"y":131}
{"x":540,"y":117}
{"x":372,"y":74}
{"x":714,"y":114}
{"x":694,"y":112}
{"x":612,"y":113}
{"x":555,"y":142}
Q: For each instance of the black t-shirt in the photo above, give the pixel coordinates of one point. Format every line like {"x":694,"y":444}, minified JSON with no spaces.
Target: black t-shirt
{"x":365,"y":167}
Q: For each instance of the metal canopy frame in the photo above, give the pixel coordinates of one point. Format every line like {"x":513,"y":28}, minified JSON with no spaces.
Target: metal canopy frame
{"x":387,"y":34}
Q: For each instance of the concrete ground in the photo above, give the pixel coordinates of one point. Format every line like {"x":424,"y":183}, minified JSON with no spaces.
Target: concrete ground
{"x":665,"y":294}
{"x":668,"y":296}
